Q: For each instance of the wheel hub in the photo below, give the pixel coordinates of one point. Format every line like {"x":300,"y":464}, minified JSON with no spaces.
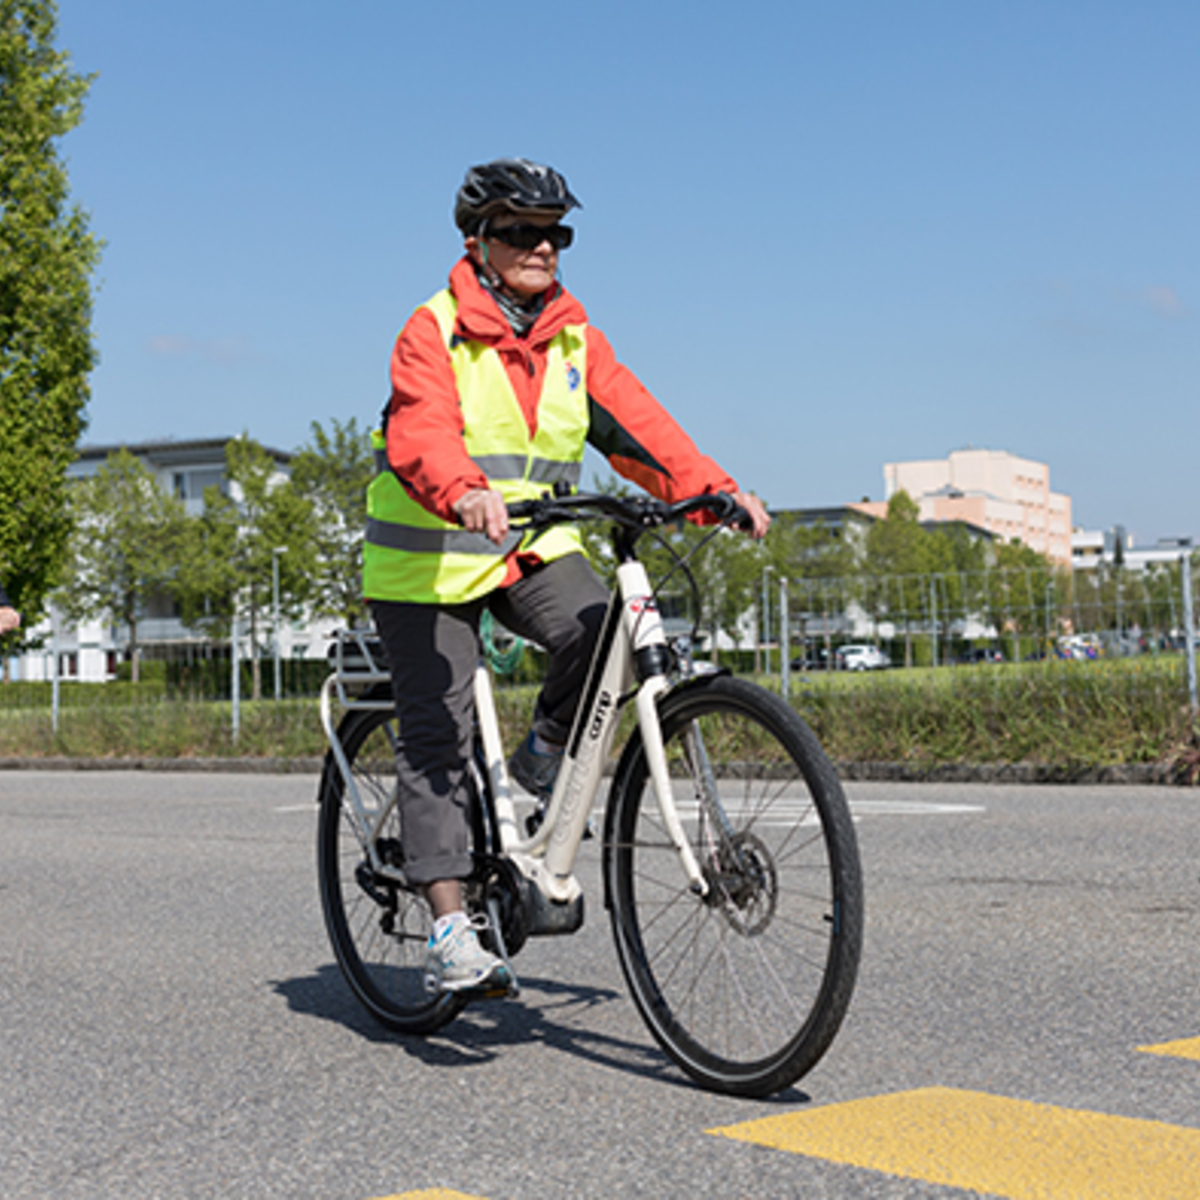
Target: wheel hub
{"x":743,"y":884}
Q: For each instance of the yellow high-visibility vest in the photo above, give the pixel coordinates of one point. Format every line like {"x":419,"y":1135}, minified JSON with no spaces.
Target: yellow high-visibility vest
{"x":411,"y":554}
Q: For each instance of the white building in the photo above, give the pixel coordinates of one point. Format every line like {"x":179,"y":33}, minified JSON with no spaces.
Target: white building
{"x":1091,"y":548}
{"x":92,"y":650}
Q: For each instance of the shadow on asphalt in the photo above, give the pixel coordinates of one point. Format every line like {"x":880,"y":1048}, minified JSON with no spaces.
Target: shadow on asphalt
{"x":481,"y":1032}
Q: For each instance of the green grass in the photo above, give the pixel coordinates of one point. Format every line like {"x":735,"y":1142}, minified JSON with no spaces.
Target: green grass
{"x":1063,"y":714}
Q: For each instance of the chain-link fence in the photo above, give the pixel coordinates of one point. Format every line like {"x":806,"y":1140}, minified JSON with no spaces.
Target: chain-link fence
{"x":957,"y":617}
{"x":1090,"y":667}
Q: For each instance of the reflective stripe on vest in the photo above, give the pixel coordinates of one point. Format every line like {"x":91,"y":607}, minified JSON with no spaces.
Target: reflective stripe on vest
{"x":411,"y":554}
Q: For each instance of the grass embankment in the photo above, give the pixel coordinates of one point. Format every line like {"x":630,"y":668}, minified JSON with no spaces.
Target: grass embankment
{"x":1062,"y":714}
{"x":112,"y":721}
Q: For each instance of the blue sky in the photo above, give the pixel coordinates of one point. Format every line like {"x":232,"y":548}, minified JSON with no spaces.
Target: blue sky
{"x":827,"y":236}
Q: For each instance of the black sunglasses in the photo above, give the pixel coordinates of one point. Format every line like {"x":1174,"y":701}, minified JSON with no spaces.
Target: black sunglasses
{"x":530,"y":237}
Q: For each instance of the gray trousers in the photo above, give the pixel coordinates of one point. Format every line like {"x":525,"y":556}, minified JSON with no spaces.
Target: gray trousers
{"x":432,"y":650}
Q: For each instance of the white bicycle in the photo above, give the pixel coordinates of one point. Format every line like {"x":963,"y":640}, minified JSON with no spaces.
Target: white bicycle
{"x":729,"y":859}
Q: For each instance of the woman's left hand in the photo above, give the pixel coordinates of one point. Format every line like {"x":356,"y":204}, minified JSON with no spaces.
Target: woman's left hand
{"x":760,"y":519}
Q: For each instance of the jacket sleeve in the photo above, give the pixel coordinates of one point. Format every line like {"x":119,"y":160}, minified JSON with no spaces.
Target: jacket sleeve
{"x":641,"y":440}
{"x":425,"y":446}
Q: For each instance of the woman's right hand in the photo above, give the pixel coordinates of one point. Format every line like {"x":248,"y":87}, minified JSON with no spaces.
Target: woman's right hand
{"x":482,"y":510}
{"x":10,"y":619}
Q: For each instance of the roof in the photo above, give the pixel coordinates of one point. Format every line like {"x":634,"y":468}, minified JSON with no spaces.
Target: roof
{"x":172,"y":452}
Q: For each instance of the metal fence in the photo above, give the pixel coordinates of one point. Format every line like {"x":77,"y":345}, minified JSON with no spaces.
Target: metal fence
{"x":938,"y":619}
{"x":948,"y":618}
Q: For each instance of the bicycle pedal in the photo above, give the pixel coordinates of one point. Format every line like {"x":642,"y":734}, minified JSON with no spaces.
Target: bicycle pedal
{"x":512,"y":991}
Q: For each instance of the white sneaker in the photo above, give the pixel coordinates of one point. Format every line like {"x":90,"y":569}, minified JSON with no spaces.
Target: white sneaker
{"x":456,"y":962}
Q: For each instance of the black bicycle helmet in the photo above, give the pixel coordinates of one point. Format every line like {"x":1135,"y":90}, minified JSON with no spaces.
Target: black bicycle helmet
{"x":513,"y":184}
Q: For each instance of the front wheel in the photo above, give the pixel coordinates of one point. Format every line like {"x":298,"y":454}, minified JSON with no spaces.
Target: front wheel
{"x":378,"y":927}
{"x":746,"y":986}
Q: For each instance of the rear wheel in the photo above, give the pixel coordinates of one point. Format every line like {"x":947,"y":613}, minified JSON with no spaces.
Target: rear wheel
{"x":746,"y":986}
{"x":378,"y":926}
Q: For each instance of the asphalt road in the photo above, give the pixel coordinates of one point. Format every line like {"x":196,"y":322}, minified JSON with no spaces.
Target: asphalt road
{"x":173,"y":1025}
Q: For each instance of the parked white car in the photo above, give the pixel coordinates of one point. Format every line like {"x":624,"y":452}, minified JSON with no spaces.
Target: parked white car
{"x":862,"y":658}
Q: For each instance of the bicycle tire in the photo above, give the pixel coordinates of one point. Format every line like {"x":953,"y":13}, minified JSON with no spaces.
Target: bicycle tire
{"x":378,"y":928}
{"x":745,"y":988}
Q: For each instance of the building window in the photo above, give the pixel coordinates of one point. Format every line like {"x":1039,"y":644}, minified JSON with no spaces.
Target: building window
{"x":190,"y":485}
{"x":68,"y":665}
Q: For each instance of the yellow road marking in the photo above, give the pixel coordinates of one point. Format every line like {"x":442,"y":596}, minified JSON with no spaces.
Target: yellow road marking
{"x":1186,"y":1048}
{"x":430,"y":1194}
{"x":1005,"y":1147}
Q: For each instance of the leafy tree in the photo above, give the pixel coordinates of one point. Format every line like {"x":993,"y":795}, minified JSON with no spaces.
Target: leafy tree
{"x":228,"y":567}
{"x":46,"y":256}
{"x":817,"y":560}
{"x":126,"y":545}
{"x":1024,"y":591}
{"x":899,"y":555}
{"x":955,"y":561}
{"x":332,"y":474}
{"x":729,"y":570}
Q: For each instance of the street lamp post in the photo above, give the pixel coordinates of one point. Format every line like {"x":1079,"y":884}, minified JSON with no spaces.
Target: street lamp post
{"x":275,"y":610}
{"x":1049,"y":633}
{"x":1189,"y":632}
{"x":784,"y":638}
{"x":765,"y":633}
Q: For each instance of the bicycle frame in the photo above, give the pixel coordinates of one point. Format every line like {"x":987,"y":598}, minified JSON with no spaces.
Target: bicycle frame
{"x":631,"y":626}
{"x":631,"y":636}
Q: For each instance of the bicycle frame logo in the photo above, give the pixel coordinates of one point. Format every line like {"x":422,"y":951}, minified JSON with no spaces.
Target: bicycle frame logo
{"x":603,"y":704}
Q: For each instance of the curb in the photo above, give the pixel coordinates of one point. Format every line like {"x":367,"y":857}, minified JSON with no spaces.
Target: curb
{"x":228,"y":766}
{"x":875,"y":772}
{"x":1012,"y":773}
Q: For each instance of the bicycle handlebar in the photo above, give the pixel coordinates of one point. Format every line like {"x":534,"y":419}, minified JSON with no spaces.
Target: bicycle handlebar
{"x":641,"y":512}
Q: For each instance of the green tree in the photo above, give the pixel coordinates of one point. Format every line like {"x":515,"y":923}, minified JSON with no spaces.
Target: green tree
{"x":125,"y":547}
{"x":259,"y":520}
{"x":1025,"y":594}
{"x":820,"y":562}
{"x":898,"y":560}
{"x":332,"y":473}
{"x":46,"y":257}
{"x":955,"y":561}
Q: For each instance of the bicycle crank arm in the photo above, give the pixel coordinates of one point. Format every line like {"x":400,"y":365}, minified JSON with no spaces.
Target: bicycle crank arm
{"x":497,"y":932}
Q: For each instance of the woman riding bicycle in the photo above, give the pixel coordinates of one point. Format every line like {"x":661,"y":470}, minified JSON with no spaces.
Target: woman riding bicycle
{"x":498,"y":382}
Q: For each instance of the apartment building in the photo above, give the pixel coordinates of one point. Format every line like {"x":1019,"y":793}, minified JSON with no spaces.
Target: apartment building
{"x":1005,"y":494}
{"x":1092,"y":548}
{"x":91,"y":650}
{"x":182,"y":467}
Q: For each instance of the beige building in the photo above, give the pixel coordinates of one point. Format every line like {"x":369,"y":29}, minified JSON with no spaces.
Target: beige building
{"x":1008,"y":496}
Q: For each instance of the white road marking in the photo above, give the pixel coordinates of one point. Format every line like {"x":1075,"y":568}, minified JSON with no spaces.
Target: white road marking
{"x":910,"y":808}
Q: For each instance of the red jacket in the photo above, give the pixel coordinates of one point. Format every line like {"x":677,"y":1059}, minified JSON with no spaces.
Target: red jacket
{"x":628,"y":426}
